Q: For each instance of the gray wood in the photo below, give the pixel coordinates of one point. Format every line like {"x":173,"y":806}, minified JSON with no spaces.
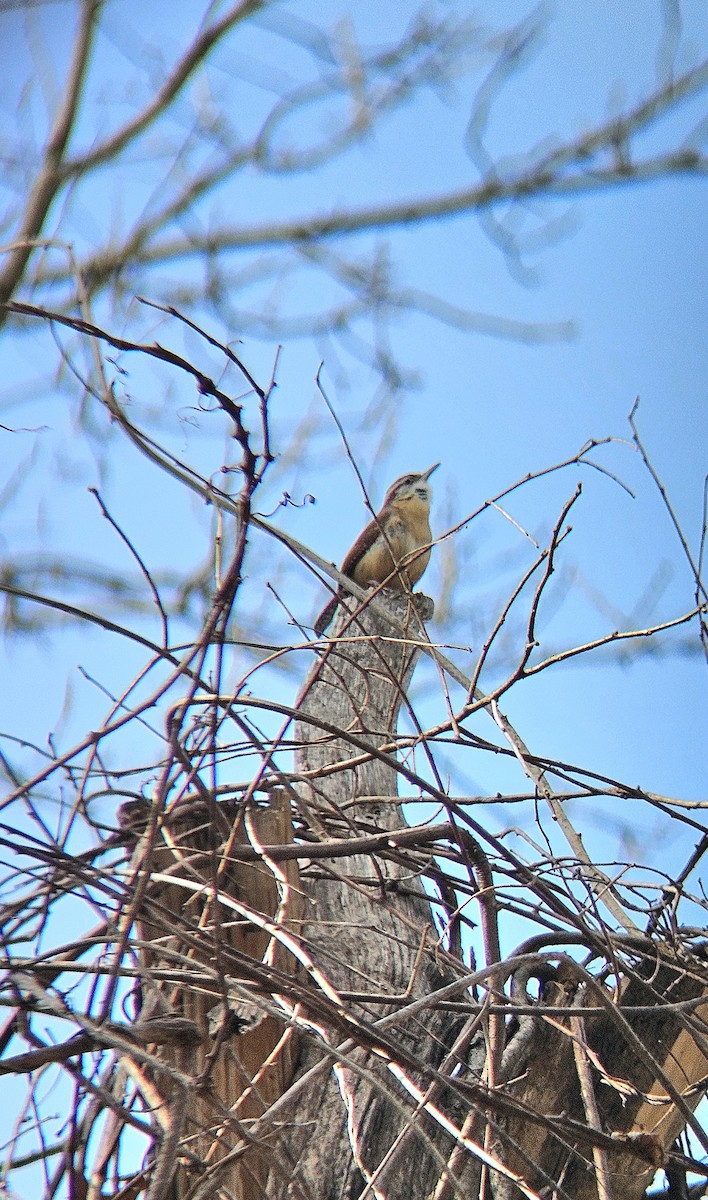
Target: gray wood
{"x":369,"y":925}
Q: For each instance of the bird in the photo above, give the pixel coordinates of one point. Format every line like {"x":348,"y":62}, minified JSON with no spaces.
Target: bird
{"x":385,"y":552}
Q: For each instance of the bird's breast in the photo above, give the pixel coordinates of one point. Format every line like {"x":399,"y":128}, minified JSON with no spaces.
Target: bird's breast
{"x":398,"y":540}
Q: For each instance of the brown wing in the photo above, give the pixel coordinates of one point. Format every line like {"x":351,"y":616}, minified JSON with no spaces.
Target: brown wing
{"x":364,"y":542}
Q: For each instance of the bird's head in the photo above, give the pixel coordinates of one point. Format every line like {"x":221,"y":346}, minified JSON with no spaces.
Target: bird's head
{"x":415,"y":486}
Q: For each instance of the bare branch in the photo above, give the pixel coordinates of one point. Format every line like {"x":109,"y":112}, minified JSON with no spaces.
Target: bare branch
{"x":50,"y":177}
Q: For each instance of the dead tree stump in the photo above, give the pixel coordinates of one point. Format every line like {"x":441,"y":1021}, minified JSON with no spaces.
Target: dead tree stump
{"x":298,"y":938}
{"x":367,"y":922}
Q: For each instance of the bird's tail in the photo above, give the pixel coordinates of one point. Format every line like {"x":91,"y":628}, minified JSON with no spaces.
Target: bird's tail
{"x":325,"y":616}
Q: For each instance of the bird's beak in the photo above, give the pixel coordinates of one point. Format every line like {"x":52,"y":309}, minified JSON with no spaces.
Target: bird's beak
{"x":430,"y":470}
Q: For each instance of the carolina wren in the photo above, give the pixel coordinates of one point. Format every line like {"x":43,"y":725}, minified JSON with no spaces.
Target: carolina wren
{"x":395,"y":547}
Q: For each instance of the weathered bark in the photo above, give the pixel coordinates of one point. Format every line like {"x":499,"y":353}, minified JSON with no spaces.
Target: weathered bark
{"x":632,"y":1102}
{"x":368,"y":926}
{"x":245,"y":1058}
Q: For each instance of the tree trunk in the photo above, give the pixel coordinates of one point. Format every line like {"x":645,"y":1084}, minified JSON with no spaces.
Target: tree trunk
{"x":368,"y":925}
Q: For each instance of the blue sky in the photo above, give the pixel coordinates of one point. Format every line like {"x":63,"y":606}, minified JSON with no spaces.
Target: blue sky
{"x":629,"y":273}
